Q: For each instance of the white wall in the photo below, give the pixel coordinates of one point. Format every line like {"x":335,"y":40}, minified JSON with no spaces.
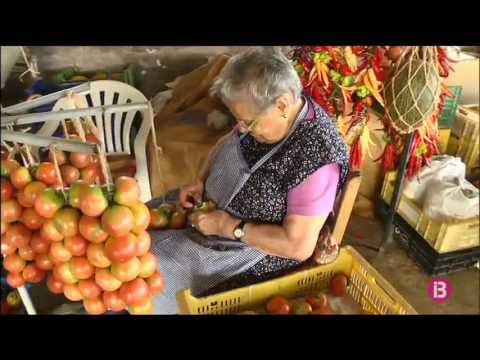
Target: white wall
{"x":9,"y":56}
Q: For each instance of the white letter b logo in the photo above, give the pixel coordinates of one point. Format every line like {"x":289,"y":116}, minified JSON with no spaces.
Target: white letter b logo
{"x":439,"y":290}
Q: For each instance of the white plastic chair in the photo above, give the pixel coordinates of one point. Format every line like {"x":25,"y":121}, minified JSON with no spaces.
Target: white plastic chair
{"x":115,"y":127}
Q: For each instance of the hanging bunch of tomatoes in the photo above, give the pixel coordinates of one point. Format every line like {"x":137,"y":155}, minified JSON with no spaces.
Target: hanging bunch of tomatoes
{"x":348,"y":80}
{"x":61,"y":221}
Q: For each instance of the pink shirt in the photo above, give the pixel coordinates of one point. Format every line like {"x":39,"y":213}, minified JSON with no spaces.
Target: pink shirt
{"x":316,"y":194}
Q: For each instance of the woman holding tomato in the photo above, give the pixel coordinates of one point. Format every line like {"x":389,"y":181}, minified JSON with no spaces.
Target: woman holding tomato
{"x":274,"y":179}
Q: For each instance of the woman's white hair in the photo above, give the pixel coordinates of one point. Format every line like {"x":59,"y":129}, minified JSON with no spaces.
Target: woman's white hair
{"x":259,"y":75}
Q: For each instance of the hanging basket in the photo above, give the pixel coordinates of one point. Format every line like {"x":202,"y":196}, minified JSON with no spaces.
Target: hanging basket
{"x":413,"y":91}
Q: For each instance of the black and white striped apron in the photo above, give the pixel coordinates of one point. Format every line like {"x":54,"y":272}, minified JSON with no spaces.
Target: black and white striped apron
{"x":189,"y":259}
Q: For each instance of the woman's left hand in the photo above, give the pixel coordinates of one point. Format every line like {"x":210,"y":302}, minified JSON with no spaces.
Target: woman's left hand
{"x":212,"y":223}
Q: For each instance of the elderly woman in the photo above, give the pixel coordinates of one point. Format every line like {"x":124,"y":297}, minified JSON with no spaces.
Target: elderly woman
{"x":274,"y":179}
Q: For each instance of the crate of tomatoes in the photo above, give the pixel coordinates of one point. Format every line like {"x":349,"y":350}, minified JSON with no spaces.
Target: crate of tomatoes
{"x":65,"y":221}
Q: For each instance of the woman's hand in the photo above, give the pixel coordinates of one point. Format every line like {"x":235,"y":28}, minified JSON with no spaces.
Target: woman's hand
{"x":194,"y":190}
{"x":217,"y":222}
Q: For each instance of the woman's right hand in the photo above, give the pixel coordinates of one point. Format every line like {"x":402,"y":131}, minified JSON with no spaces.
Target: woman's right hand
{"x":194,"y":190}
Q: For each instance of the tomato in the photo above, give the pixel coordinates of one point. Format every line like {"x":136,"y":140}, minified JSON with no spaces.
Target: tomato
{"x":178,"y":220}
{"x":49,"y":232}
{"x":144,"y":242}
{"x":141,"y":216}
{"x":22,"y":199}
{"x":97,"y":256}
{"x":55,"y":285}
{"x":8,"y":249}
{"x":127,"y":191}
{"x":60,"y":155}
{"x":18,"y":235}
{"x":338,"y":285}
{"x":300,"y":307}
{"x":156,"y":283}
{"x":134,"y":292}
{"x":43,"y":262}
{"x":7,"y":189}
{"x":11,"y":210}
{"x":39,"y":244}
{"x":64,"y":273}
{"x":91,"y":229}
{"x":15,"y":280}
{"x":14,"y":263}
{"x":48,"y":203}
{"x":93,"y":139}
{"x":105,"y":279}
{"x":112,"y":301}
{"x":26,"y":253}
{"x":90,"y":173}
{"x":4,"y":226}
{"x":7,"y":167}
{"x":158,"y":219}
{"x":118,"y":220}
{"x":278,"y":305}
{"x":59,"y":253}
{"x":145,"y":308}
{"x":94,"y":306}
{"x":126,"y":271}
{"x":70,"y":174}
{"x":80,"y":160}
{"x":46,"y":173}
{"x":317,"y":300}
{"x":121,"y":249}
{"x":89,"y":289}
{"x":81,"y":267}
{"x":72,"y":292}
{"x":148,"y":265}
{"x":31,"y":219}
{"x":76,"y":192}
{"x":77,"y":245}
{"x":20,"y":177}
{"x":32,"y":274}
{"x":66,"y":221}
{"x":93,"y":201}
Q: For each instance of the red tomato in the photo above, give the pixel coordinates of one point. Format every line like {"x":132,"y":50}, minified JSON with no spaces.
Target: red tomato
{"x":105,"y":279}
{"x":82,"y":268}
{"x":48,"y":203}
{"x":77,"y":245}
{"x":55,"y":285}
{"x":15,"y":280}
{"x":22,"y":199}
{"x":31,"y":219}
{"x":60,"y":155}
{"x":278,"y":305}
{"x":94,"y":306}
{"x":338,"y":285}
{"x":121,"y":249}
{"x":317,"y":300}
{"x":148,"y":265}
{"x":7,"y":189}
{"x":141,"y":216}
{"x":43,"y":262}
{"x":32,"y":274}
{"x":145,"y":308}
{"x":93,"y":201}
{"x":32,"y":191}
{"x":72,"y":292}
{"x":20,"y":177}
{"x":112,"y":301}
{"x":18,"y":235}
{"x":91,"y":229}
{"x":59,"y":253}
{"x":127,"y":270}
{"x":11,"y":210}
{"x":80,"y":160}
{"x":46,"y":173}
{"x":8,"y":249}
{"x":66,"y":221}
{"x":64,"y":273}
{"x":14,"y":263}
{"x":70,"y":174}
{"x":89,"y":289}
{"x":134,"y":292}
{"x":156,"y":283}
{"x":8,"y":165}
{"x":97,"y":256}
{"x":90,"y":173}
{"x":26,"y":253}
{"x":39,"y":244}
{"x":4,"y":226}
{"x":144,"y":242}
{"x":118,"y":221}
{"x":127,"y":191}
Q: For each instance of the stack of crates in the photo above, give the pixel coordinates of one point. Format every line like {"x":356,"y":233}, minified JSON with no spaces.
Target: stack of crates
{"x":440,"y":247}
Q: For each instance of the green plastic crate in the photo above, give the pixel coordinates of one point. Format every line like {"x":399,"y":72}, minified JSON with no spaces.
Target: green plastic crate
{"x":447,"y":116}
{"x":128,"y":75}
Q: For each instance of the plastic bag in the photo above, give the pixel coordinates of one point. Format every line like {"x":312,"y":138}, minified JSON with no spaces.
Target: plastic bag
{"x":452,"y":199}
{"x":441,"y":167}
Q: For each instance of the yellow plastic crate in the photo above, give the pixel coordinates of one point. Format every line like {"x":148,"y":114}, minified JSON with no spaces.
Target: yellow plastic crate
{"x":374,"y":294}
{"x":442,"y":236}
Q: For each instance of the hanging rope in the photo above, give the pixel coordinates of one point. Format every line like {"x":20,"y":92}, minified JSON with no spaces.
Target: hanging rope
{"x":31,"y":68}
